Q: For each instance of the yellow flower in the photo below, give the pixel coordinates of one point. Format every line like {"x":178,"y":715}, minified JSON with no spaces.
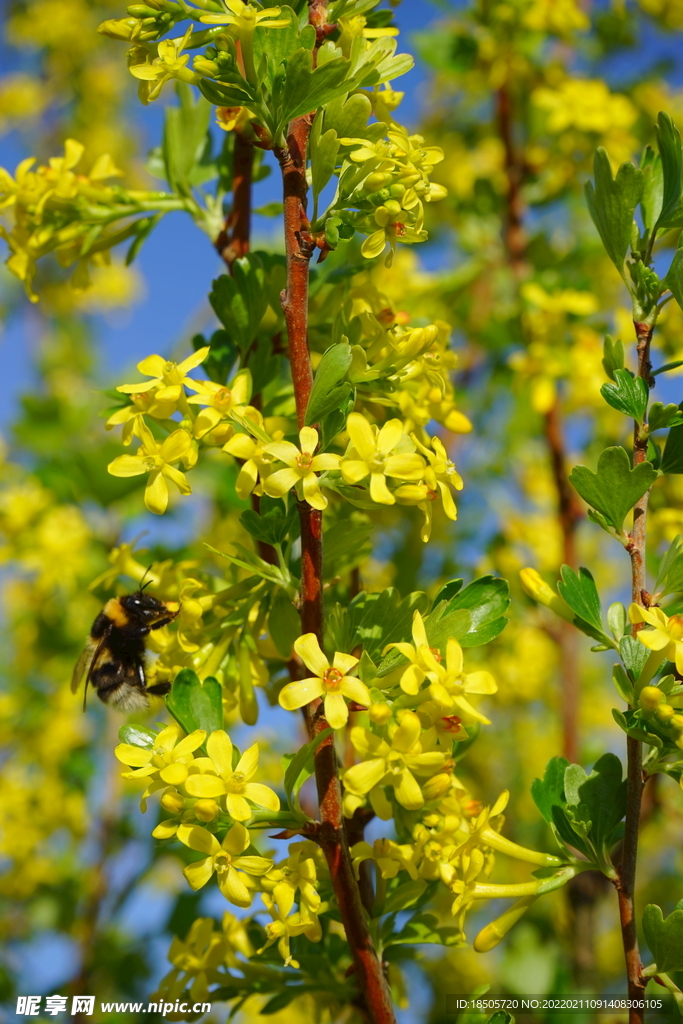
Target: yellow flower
{"x":394,"y":764}
{"x":144,"y":402}
{"x":225,"y":859}
{"x":282,"y":927}
{"x":169,"y":63}
{"x":424,"y":660}
{"x":167,"y":759}
{"x":666,"y":635}
{"x":441,"y":474}
{"x":303,"y":465}
{"x":331,"y":682}
{"x":375,"y":454}
{"x":219,"y":399}
{"x":297,"y":872}
{"x":167,"y":376}
{"x":389,"y":857}
{"x":245,"y":18}
{"x":353,"y":26}
{"x":451,"y":683}
{"x":235,"y":783}
{"x":155,"y":459}
{"x":257,"y":462}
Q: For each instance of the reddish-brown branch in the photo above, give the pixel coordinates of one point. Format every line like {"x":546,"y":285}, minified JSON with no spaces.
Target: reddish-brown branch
{"x":626,"y":881}
{"x":332,"y":836}
{"x":514,"y":235}
{"x":233,"y":241}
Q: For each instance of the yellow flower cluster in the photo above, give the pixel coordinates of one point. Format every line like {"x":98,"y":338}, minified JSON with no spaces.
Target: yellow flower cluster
{"x":58,"y":209}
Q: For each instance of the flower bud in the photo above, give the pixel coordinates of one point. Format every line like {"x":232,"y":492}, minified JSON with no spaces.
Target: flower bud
{"x":665,"y":713}
{"x":436,"y":787}
{"x":650,"y":698}
{"x":380,"y":713}
{"x":376,"y":180}
{"x":676,"y":722}
{"x":118,"y":28}
{"x":172,"y":801}
{"x":536,"y":587}
{"x":206,"y":810}
{"x":393,"y":207}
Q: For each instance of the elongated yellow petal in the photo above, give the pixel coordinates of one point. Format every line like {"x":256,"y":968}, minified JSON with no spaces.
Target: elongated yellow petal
{"x":248,"y":763}
{"x":152,"y":366}
{"x":480,"y":682}
{"x":278,"y":483}
{"x":236,"y":840}
{"x":285,"y":451}
{"x":219,"y":748}
{"x":205,"y":786}
{"x":197,"y":838}
{"x":174,"y":774}
{"x":419,"y":631}
{"x":361,"y":778}
{"x":355,"y":690}
{"x":189,"y":744}
{"x":454,"y":657}
{"x":362,"y":436}
{"x":408,"y":732}
{"x":353,"y":470}
{"x":408,"y":793}
{"x":262,"y":796}
{"x":294,"y":695}
{"x":308,"y":649}
{"x":237,"y":806}
{"x":176,"y":445}
{"x":195,"y":359}
{"x":134,"y":757}
{"x":312,"y":493}
{"x":128,"y":465}
{"x":336,"y":710}
{"x":199,"y":873}
{"x":156,"y":493}
{"x":308,"y":439}
{"x":344,"y":662}
{"x":379,"y":492}
{"x":233,"y":888}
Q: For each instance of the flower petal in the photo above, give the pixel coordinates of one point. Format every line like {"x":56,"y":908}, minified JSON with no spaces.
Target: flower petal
{"x":156,"y":493}
{"x":354,"y":689}
{"x":336,"y":710}
{"x":205,"y":786}
{"x":389,"y":436}
{"x":361,"y":434}
{"x":219,"y":748}
{"x":408,"y":792}
{"x":152,"y":366}
{"x":294,"y":695}
{"x":233,"y":888}
{"x":199,"y":873}
{"x":308,"y":439}
{"x":236,"y":840}
{"x":248,"y":763}
{"x":128,"y":465}
{"x":308,"y":649}
{"x":237,"y":806}
{"x":363,"y":777}
{"x":197,"y":838}
{"x":262,"y":796}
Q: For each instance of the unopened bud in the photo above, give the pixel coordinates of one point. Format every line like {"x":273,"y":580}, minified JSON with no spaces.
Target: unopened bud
{"x":206,"y":810}
{"x":380,"y":713}
{"x":436,"y":787}
{"x":536,"y":587}
{"x":375,"y":181}
{"x":173,"y":802}
{"x":651,"y":697}
{"x":676,"y":722}
{"x":665,"y":713}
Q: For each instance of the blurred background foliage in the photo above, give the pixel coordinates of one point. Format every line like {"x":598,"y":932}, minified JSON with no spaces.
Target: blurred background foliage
{"x":518,"y":93}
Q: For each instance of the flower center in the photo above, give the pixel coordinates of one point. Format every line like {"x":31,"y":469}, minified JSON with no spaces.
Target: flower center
{"x":223,"y":399}
{"x":332,"y":678}
{"x":676,"y":627}
{"x":221,"y":862}
{"x":437,"y":653}
{"x":451,"y":723}
{"x":304,"y":461}
{"x":235,"y":784}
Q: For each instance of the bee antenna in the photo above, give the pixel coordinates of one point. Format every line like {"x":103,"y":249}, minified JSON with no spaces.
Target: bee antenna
{"x":142,"y":581}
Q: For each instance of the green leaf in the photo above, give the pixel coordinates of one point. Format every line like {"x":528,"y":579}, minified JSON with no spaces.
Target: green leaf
{"x":628,"y":394}
{"x":672,"y":456}
{"x":612,"y":202}
{"x":240,"y":300}
{"x":612,"y":356}
{"x":674,"y":278}
{"x":616,"y":620}
{"x":549,"y":791}
{"x":348,"y":115}
{"x":138,"y":736}
{"x":221,"y":358}
{"x":186,"y":138}
{"x":672,"y":166}
{"x":371,"y":621}
{"x":670,"y":576}
{"x":664,"y":937}
{"x":284,"y":624}
{"x":404,"y":896}
{"x":329,"y":389}
{"x":324,"y":149}
{"x":615,"y":488}
{"x":581,"y":594}
{"x":653,"y":187}
{"x":301,"y":767}
{"x":195,"y":704}
{"x":424,"y":928}
{"x":661,"y":416}
{"x":622,"y":684}
{"x":347,"y":543}
{"x":633,"y":654}
{"x":474,"y":616}
{"x":278,"y":44}
{"x":306,"y":90}
{"x":636,"y":727}
{"x":600,"y":796}
{"x":274,"y":523}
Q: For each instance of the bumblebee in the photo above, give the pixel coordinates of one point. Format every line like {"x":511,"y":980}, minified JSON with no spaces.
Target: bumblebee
{"x":114,"y":658}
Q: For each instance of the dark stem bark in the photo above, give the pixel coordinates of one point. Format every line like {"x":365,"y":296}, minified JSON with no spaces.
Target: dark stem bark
{"x":233,"y":241}
{"x":332,"y":836}
{"x":626,"y":880}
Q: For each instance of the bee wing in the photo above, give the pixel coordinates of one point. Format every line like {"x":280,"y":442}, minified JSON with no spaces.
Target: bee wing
{"x":83,"y":666}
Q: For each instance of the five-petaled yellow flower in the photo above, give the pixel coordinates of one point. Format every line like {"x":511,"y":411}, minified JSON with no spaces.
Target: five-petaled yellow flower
{"x":168,"y":377}
{"x":666,"y":636}
{"x":451,"y":682}
{"x":220,"y":400}
{"x":235,"y":783}
{"x":395,"y":763}
{"x":331,"y":682}
{"x":377,"y":454}
{"x":225,"y":859}
{"x":423,"y":658}
{"x":302,"y":468}
{"x":155,"y":459}
{"x":169,"y":63}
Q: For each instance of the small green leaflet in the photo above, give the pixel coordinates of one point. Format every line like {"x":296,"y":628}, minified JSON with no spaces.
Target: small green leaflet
{"x":300,"y":767}
{"x":628,"y":394}
{"x":672,"y":456}
{"x":670,"y":576}
{"x":612,"y":202}
{"x":196,"y":705}
{"x":330,"y":389}
{"x":664,"y":936}
{"x":137,"y":736}
{"x":615,"y":488}
{"x":671,"y":156}
{"x":581,"y":594}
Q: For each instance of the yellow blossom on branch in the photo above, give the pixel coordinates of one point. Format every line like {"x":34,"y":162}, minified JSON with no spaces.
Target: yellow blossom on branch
{"x":331,"y":682}
{"x":156,"y":459}
{"x":168,"y":377}
{"x":424,"y":660}
{"x":235,"y":784}
{"x":379,"y":454}
{"x":169,"y":63}
{"x":224,"y":859}
{"x":220,"y":400}
{"x":303,"y":465}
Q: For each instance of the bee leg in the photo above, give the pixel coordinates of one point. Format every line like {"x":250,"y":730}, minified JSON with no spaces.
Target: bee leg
{"x":159,"y":689}
{"x":163,"y":622}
